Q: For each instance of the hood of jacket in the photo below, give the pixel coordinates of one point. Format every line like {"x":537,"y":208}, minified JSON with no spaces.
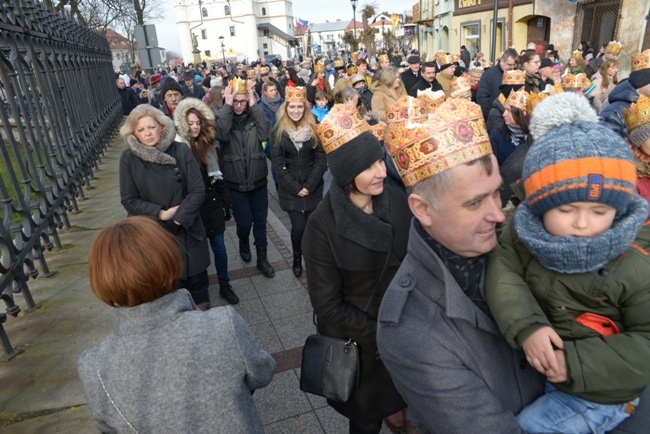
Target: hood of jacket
{"x":624,"y":92}
{"x":180,"y":115}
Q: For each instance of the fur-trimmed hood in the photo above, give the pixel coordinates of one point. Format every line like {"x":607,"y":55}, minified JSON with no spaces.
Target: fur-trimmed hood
{"x":180,"y":115}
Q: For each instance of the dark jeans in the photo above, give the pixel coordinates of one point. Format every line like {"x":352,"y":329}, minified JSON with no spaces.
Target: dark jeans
{"x":220,"y":256}
{"x":298,"y":223}
{"x":250,"y":209}
{"x":198,"y":287}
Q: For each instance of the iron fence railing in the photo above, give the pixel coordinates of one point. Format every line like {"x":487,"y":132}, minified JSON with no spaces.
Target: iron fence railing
{"x":58,"y":111}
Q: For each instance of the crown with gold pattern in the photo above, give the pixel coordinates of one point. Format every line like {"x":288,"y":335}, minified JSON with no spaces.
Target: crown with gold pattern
{"x":319,"y":66}
{"x":295,"y":94}
{"x":352,"y":69}
{"x":487,"y":64}
{"x":383,"y":58}
{"x":432,"y":100}
{"x":514,"y":78}
{"x":238,"y":86}
{"x":250,"y":73}
{"x":354,"y":56}
{"x":307,"y":60}
{"x":475,"y":74}
{"x":641,"y":61}
{"x":533,"y":100}
{"x":264,"y":70}
{"x":338,"y":63}
{"x":459,"y":86}
{"x":342,"y":124}
{"x":379,"y":130}
{"x":638,"y":114}
{"x":518,"y":99}
{"x":577,"y":54}
{"x":406,"y":110}
{"x":455,"y":57}
{"x":614,"y":47}
{"x":577,"y":81}
{"x":454,"y":137}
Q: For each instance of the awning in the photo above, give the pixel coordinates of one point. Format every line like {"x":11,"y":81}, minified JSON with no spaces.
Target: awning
{"x":279,"y":33}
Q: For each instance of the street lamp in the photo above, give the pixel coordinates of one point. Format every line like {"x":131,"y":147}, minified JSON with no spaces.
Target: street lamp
{"x":354,"y":14}
{"x":223,"y":50}
{"x":383,"y":34}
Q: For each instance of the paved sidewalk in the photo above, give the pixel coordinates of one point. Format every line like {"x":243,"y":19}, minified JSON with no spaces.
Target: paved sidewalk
{"x":39,"y":389}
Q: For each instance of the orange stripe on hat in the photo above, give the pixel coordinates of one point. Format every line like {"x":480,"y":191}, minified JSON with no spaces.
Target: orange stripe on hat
{"x":577,"y":186}
{"x":609,"y":168}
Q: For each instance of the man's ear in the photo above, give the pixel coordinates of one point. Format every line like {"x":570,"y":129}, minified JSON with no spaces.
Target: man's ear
{"x":421,"y":209}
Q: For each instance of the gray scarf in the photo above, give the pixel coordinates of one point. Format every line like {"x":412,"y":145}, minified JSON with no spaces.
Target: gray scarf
{"x":272,"y":103}
{"x":573,"y":255}
{"x":154,"y":154}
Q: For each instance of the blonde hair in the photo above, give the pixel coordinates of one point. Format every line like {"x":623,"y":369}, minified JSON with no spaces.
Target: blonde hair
{"x":283,"y":123}
{"x":143,"y":111}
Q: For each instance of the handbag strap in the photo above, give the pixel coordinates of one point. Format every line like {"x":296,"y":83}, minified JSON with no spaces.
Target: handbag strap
{"x":381,"y":276}
{"x":101,"y":381}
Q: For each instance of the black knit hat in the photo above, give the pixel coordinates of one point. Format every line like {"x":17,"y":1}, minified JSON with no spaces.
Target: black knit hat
{"x":170,"y":84}
{"x":354,"y":157}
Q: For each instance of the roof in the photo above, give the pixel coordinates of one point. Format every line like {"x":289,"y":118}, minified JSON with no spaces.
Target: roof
{"x":279,"y":33}
{"x":351,"y":25}
{"x":117,"y":41}
{"x":379,"y":23}
{"x":330,"y":27}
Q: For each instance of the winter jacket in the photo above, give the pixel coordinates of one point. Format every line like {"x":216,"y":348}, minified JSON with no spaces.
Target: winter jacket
{"x":168,"y":368}
{"x":534,"y":83}
{"x":445,"y":82}
{"x":409,"y":79}
{"x":341,"y":275}
{"x":129,"y":100}
{"x":447,"y":358}
{"x":298,"y":169}
{"x":382,"y":98}
{"x":242,"y":159}
{"x":489,"y":88}
{"x":422,"y":84}
{"x":594,"y":66}
{"x":620,"y":99}
{"x":503,"y":146}
{"x":365,"y":95}
{"x":602,"y":367}
{"x":146,"y":188}
{"x":600,"y":94}
{"x":495,"y":117}
{"x":196,"y":91}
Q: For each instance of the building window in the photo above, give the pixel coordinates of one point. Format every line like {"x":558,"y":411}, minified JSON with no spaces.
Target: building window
{"x":204,"y":34}
{"x":330,"y":37}
{"x":263,"y":11}
{"x":207,"y":53}
{"x":204,"y":11}
{"x":232,"y":30}
{"x":265,"y":32}
{"x":471,"y":36}
{"x":266,"y":53}
{"x":226,"y":9}
{"x":265,"y":45}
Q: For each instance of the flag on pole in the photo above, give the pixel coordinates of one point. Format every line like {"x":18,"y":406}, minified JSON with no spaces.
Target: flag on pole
{"x":303,"y":23}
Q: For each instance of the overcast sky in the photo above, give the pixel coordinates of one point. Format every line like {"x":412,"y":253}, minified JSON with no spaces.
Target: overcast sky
{"x":317,"y":11}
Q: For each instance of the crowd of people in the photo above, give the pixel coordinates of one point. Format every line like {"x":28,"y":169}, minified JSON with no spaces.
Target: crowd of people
{"x":398,"y":174}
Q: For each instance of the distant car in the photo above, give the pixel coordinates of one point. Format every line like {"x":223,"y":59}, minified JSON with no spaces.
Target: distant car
{"x":270,"y":57}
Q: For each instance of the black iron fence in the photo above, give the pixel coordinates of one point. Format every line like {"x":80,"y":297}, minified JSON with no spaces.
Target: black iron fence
{"x":58,"y":111}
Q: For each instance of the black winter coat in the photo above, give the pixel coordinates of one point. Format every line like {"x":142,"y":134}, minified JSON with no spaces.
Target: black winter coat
{"x":129,"y":100}
{"x":217,"y":198}
{"x":422,"y":84}
{"x":488,"y":88}
{"x":297,"y":170}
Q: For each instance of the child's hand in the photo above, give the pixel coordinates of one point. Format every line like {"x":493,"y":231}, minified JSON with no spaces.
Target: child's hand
{"x":561,"y":375}
{"x":540,"y":352}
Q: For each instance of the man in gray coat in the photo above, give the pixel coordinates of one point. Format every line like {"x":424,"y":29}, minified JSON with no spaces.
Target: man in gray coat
{"x":435,"y":332}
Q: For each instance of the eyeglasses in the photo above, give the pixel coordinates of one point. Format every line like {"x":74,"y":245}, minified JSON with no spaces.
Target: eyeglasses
{"x":239,"y":102}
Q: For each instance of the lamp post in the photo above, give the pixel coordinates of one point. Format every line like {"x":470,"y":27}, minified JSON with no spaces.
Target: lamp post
{"x":223,"y":50}
{"x":383,"y":35}
{"x":354,"y":15}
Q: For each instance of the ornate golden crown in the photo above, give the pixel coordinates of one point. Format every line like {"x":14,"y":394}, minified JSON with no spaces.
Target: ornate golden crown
{"x":455,"y":57}
{"x":405,"y":110}
{"x":250,"y":73}
{"x":577,"y":54}
{"x":264,"y":70}
{"x":577,"y":81}
{"x":518,"y":99}
{"x":514,"y":78}
{"x":455,"y":136}
{"x":487,"y":64}
{"x":475,"y":75}
{"x":533,"y":100}
{"x":432,"y":101}
{"x":352,"y":69}
{"x":354,"y":56}
{"x":383,"y":58}
{"x":306,"y":59}
{"x":638,"y":114}
{"x":614,"y":47}
{"x":295,"y":94}
{"x":338,"y":63}
{"x":342,"y":124}
{"x":319,"y":68}
{"x":238,"y":86}
{"x":459,"y":85}
{"x":641,"y":61}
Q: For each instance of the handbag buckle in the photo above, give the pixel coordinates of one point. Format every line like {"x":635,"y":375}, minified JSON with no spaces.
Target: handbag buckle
{"x":348,"y":345}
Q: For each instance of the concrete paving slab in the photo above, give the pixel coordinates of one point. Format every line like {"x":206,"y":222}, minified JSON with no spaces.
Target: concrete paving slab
{"x":283,"y":281}
{"x":281,"y":399}
{"x":294,"y":330}
{"x":286,"y":304}
{"x":267,"y":337}
{"x":303,"y":423}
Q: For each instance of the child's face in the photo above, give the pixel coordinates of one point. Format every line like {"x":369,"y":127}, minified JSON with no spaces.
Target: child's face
{"x":579,"y":219}
{"x":321,"y":103}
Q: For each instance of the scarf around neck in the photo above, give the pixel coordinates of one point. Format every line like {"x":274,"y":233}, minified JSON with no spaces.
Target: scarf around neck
{"x":517,"y":137}
{"x":154,"y":154}
{"x":574,"y":255}
{"x":372,"y":231}
{"x":299,"y":136}
{"x":272,"y":103}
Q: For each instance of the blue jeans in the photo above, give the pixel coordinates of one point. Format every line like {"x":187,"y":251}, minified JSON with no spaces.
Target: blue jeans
{"x":250,"y":209}
{"x":220,"y":256}
{"x":559,"y":412}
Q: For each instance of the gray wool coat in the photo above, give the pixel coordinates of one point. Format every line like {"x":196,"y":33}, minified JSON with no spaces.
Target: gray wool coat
{"x":448,"y":359}
{"x":169,"y":368}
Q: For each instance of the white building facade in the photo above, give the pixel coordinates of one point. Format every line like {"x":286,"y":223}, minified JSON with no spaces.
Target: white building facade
{"x":250,"y":28}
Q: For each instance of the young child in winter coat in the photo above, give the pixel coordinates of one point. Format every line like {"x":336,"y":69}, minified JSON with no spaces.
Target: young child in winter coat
{"x":320,"y":109}
{"x":568,"y":281}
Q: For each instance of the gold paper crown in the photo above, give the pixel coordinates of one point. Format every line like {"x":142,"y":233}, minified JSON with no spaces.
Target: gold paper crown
{"x":455,"y":57}
{"x":250,"y":73}
{"x":238,"y":86}
{"x":379,"y":130}
{"x":518,"y":99}
{"x":577,"y":81}
{"x":295,"y":94}
{"x":641,"y":61}
{"x":354,"y":56}
{"x":460,"y":84}
{"x":431,"y":102}
{"x":533,"y":100}
{"x":475,"y":75}
{"x":577,"y":54}
{"x":614,"y":47}
{"x":264,"y":70}
{"x":455,"y":137}
{"x":487,"y":64}
{"x":406,"y":110}
{"x":638,"y":114}
{"x":342,"y":124}
{"x":306,"y":59}
{"x":514,"y":78}
{"x":383,"y":58}
{"x":319,"y":68}
{"x":352,"y":69}
{"x":338,"y":63}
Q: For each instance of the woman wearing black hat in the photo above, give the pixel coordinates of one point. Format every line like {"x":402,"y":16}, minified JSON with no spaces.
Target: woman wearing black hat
{"x":353,"y":245}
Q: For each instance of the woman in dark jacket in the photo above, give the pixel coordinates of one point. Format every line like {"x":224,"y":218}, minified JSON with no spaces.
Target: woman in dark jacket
{"x":354,"y":243}
{"x":196,"y":126}
{"x":530,"y":62}
{"x":159,"y":178}
{"x":300,"y":162}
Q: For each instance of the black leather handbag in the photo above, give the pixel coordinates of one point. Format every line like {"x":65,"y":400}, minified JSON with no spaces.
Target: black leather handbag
{"x":330,"y":366}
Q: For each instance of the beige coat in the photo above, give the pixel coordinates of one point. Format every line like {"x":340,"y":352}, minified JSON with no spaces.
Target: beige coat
{"x":600,"y":93}
{"x":382,"y":97}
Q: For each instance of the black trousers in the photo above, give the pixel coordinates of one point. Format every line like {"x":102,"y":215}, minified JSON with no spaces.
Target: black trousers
{"x":198,"y":287}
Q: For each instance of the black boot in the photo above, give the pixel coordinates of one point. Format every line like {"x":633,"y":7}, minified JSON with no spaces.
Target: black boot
{"x":245,"y":250}
{"x":296,"y":244}
{"x":225,"y":291}
{"x":263,"y":264}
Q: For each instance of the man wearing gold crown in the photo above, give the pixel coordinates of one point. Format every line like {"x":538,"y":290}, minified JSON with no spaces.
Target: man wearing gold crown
{"x":242,"y":127}
{"x":611,"y":52}
{"x":488,"y":86}
{"x":627,"y":92}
